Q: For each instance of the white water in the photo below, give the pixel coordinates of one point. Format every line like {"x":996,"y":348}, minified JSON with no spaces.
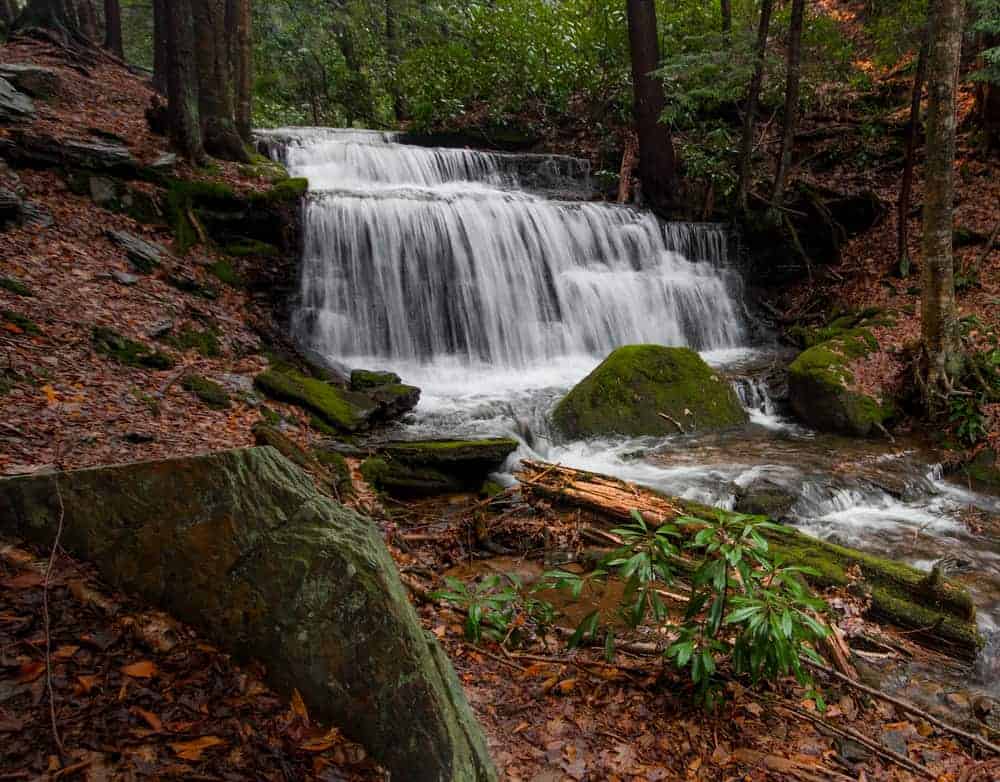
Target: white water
{"x":433,"y":263}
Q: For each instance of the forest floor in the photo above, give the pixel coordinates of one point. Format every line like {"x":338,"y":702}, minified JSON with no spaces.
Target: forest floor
{"x":134,"y":700}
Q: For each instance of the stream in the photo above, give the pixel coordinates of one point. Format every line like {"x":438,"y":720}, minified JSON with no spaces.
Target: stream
{"x":489,"y":281}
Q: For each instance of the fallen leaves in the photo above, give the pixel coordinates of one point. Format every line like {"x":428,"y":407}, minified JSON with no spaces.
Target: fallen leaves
{"x":192,"y":750}
{"x":140,"y":670}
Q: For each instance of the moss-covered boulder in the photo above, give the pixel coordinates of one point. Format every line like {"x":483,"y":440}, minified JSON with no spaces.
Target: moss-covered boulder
{"x":241,"y":545}
{"x":426,"y":467}
{"x":208,"y":391}
{"x":127,"y":351}
{"x":363,"y":379}
{"x":636,"y":386}
{"x":822,"y":390}
{"x":347,"y":411}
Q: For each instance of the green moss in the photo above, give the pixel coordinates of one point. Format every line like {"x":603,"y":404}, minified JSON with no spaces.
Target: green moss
{"x":205,"y":343}
{"x":984,"y":469}
{"x":15,"y":286}
{"x":288,"y":190}
{"x":208,"y":391}
{"x":223,"y":270}
{"x":362,"y":379}
{"x":185,"y":197}
{"x":405,"y":480}
{"x":127,"y":351}
{"x":339,"y":471}
{"x":820,"y":383}
{"x":630,"y":389}
{"x":250,"y":247}
{"x":22,"y":322}
{"x":899,"y":593}
{"x":490,"y":489}
{"x":262,"y":167}
{"x":291,"y":450}
{"x":341,"y":409}
{"x":9,"y":377}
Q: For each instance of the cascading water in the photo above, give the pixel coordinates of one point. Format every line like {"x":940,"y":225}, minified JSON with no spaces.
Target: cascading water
{"x":447,"y":266}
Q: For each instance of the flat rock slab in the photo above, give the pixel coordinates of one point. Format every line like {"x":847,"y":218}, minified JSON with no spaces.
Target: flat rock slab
{"x":14,"y":106}
{"x":35,"y":80}
{"x":35,"y":150}
{"x":242,"y":545}
{"x":144,"y":256}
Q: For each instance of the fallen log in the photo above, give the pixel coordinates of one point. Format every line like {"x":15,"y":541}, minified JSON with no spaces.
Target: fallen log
{"x":937,"y":613}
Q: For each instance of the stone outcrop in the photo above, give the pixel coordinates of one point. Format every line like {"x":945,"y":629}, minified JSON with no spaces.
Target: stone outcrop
{"x":428,"y":467}
{"x":144,"y":256}
{"x":14,"y":105}
{"x":649,"y":390}
{"x":242,"y":545}
{"x":34,"y":80}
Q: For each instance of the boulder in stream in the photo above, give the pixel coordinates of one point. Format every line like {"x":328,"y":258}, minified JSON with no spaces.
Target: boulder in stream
{"x":822,"y":388}
{"x":649,"y":390}
{"x":427,"y":467}
{"x":242,"y":545}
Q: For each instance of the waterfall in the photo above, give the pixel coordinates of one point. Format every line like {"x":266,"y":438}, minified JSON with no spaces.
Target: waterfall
{"x":416,"y":253}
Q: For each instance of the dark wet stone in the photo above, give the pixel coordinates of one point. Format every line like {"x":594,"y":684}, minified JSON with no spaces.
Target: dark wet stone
{"x":144,"y":256}
{"x":14,"y":106}
{"x":34,"y":80}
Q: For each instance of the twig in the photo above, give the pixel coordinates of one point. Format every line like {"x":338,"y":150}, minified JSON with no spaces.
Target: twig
{"x":674,"y":421}
{"x":45,"y":614}
{"x":908,"y":707}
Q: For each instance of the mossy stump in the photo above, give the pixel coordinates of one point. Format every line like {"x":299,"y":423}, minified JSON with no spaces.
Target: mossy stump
{"x":649,"y":390}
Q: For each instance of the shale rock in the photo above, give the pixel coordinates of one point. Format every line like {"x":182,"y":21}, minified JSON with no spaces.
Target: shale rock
{"x":14,"y":106}
{"x":632,"y":387}
{"x":241,"y":545}
{"x":822,"y":390}
{"x":35,"y":80}
{"x":427,"y":467}
{"x":144,"y":256}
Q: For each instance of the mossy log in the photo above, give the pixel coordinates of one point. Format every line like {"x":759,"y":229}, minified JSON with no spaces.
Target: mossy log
{"x":936,"y":613}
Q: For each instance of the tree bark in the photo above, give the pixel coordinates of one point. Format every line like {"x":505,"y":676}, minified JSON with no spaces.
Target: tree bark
{"x":909,"y":152}
{"x":939,"y":318}
{"x":182,"y":80}
{"x":58,"y":16}
{"x":393,"y":54}
{"x":160,"y":46}
{"x":656,"y":147}
{"x":753,"y":96}
{"x":88,"y":19}
{"x":727,"y":16}
{"x":216,"y":103}
{"x":243,"y":69}
{"x":113,"y":28}
{"x":7,"y":14}
{"x":794,"y":76}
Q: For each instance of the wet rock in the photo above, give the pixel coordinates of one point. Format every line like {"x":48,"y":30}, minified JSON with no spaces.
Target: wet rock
{"x":636,"y":386}
{"x":160,"y":329}
{"x":165,"y":163}
{"x":364,"y":379}
{"x":427,"y":467}
{"x":35,"y":216}
{"x":14,"y":106}
{"x":896,"y":739}
{"x":822,"y":391}
{"x":765,"y":498}
{"x":34,"y":80}
{"x":393,"y":397}
{"x":325,"y":369}
{"x":342,"y":409}
{"x":10,"y":206}
{"x":852,"y":752}
{"x":124,"y":278}
{"x":38,"y":150}
{"x":185,"y":281}
{"x":241,"y":545}
{"x":144,"y":256}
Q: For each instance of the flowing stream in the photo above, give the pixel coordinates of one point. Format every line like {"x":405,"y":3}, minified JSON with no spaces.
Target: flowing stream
{"x":461,"y":272}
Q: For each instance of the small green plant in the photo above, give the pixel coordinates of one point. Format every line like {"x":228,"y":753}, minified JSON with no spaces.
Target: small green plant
{"x":489,"y":606}
{"x":966,"y":418}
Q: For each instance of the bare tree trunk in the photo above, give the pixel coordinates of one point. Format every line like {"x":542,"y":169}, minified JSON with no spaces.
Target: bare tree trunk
{"x":113,"y":28}
{"x":793,"y":78}
{"x":939,"y":318}
{"x":160,"y":46}
{"x":7,"y":14}
{"x":656,"y":147}
{"x":58,"y":16}
{"x":727,"y":16}
{"x":909,"y":152}
{"x":215,"y":84}
{"x":753,"y":96}
{"x":243,"y":69}
{"x":392,"y":50}
{"x":88,"y":19}
{"x":182,"y":80}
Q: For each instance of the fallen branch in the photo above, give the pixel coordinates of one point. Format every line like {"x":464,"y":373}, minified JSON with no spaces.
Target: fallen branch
{"x":674,"y":421}
{"x":45,"y":615}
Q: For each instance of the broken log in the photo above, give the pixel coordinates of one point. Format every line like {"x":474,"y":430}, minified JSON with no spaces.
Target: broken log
{"x":939,"y":615}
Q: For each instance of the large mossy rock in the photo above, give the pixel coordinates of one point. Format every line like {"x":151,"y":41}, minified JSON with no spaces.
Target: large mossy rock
{"x":347,"y":411}
{"x":427,"y":467}
{"x":632,"y":387}
{"x":242,"y":545}
{"x":822,"y":390}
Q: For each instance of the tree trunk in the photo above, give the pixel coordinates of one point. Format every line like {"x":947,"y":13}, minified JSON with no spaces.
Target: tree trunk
{"x":216,"y":103}
{"x":392,"y":51}
{"x":88,"y":19}
{"x":7,"y":14}
{"x":113,"y":28}
{"x":939,"y":318}
{"x":988,"y":98}
{"x":909,"y":152}
{"x":58,"y":16}
{"x":182,"y":80}
{"x":727,"y":16}
{"x":160,"y":46}
{"x":753,"y":95}
{"x":243,"y":69}
{"x":794,"y":75}
{"x":656,"y":147}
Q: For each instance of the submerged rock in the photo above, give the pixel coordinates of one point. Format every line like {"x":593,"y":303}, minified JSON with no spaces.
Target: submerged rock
{"x":764,"y":497}
{"x":426,"y":467}
{"x":822,"y":390}
{"x":243,"y":546}
{"x":636,"y":386}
